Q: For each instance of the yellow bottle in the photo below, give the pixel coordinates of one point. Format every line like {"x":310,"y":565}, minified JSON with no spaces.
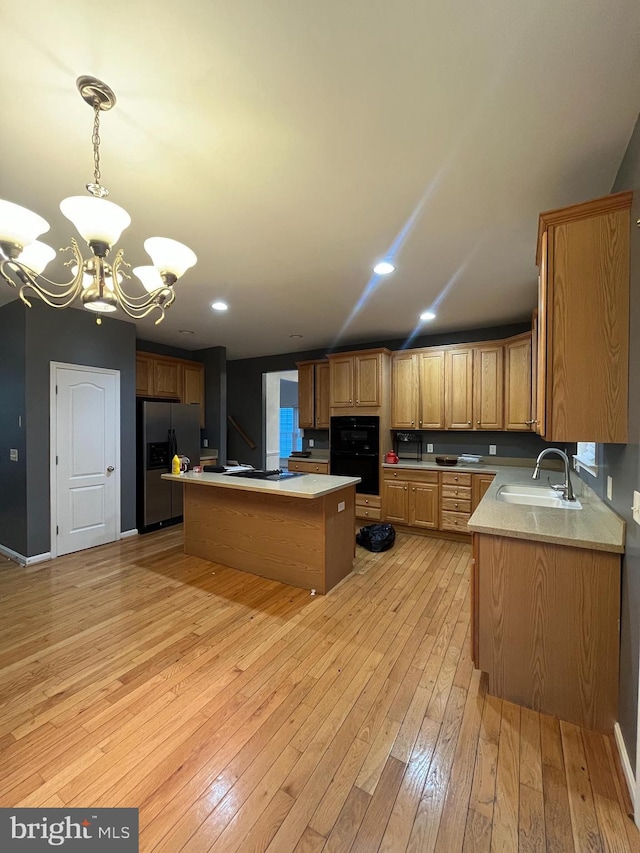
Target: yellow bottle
{"x":175,"y":464}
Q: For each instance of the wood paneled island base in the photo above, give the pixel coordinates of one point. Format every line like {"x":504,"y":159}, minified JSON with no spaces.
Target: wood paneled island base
{"x":301,"y":541}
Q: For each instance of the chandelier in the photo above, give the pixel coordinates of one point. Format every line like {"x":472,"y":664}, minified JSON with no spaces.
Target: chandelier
{"x":100,"y":223}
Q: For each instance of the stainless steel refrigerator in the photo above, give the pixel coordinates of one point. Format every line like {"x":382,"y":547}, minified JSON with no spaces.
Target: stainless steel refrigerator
{"x":163,"y":429}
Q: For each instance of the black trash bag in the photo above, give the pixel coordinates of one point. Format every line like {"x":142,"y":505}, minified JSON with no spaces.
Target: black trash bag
{"x":376,"y":537}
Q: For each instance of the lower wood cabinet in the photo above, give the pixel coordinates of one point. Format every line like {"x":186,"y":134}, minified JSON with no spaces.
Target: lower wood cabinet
{"x":307,"y":466}
{"x":368,"y":507}
{"x":411,"y":497}
{"x":433,"y":500}
{"x":545,"y":627}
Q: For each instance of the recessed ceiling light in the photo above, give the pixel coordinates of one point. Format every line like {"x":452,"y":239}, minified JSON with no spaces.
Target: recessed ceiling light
{"x":383,"y":268}
{"x":219,"y":306}
{"x":295,"y":337}
{"x":427,"y":315}
{"x":186,"y":332}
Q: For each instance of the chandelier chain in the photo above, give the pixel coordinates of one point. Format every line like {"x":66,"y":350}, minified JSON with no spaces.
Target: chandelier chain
{"x":95,"y":140}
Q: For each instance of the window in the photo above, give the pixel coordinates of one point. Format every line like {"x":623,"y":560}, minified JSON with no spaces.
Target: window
{"x":290,"y":435}
{"x":586,"y":457}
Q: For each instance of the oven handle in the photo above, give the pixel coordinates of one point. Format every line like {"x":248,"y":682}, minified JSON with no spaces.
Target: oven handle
{"x":352,"y":454}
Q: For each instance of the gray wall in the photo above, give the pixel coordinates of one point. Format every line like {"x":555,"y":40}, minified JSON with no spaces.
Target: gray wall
{"x":13,"y":475}
{"x":622,"y":463}
{"x":72,"y":336}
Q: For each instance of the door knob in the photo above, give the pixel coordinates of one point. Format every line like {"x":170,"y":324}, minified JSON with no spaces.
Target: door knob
{"x":110,"y":469}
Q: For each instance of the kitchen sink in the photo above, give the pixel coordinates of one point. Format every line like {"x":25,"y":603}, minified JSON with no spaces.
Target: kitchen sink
{"x":535,"y":496}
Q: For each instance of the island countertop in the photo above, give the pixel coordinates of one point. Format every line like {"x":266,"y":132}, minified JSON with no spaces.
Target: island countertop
{"x":309,"y":486}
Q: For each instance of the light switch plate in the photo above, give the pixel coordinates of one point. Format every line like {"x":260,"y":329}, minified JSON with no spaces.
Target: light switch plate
{"x":13,"y":455}
{"x":311,"y":442}
{"x":205,"y":442}
{"x":635,"y":509}
{"x":492,"y":450}
{"x":429,"y":448}
{"x":609,"y":488}
{"x":341,"y":506}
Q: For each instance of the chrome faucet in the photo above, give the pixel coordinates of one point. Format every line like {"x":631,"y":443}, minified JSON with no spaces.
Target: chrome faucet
{"x":566,"y":488}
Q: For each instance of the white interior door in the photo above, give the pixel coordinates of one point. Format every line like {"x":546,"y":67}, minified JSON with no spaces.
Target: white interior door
{"x":86,"y":454}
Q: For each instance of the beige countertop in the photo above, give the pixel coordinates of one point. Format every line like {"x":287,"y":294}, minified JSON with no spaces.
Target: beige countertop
{"x":595,"y":526}
{"x":319,"y":456}
{"x":307,"y":486}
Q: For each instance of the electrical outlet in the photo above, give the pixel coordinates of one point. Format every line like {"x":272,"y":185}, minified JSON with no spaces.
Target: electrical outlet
{"x":635,"y":509}
{"x":492,"y":450}
{"x":311,"y":442}
{"x":205,"y":442}
{"x":429,"y":448}
{"x":609,"y":488}
{"x":13,"y":455}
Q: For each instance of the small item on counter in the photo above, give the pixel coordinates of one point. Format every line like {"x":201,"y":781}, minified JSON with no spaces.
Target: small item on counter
{"x":175,"y":464}
{"x":184,"y":464}
{"x":469,"y":458}
{"x":302,"y":453}
{"x":197,"y":469}
{"x":446,"y":460}
{"x":391,"y":458}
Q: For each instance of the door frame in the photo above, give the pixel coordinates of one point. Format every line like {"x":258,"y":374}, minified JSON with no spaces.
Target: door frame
{"x":54,"y":366}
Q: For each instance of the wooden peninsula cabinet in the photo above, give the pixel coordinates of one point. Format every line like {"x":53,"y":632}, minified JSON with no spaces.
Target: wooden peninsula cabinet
{"x":313,"y":394}
{"x":545,"y":626}
{"x":583,"y":321}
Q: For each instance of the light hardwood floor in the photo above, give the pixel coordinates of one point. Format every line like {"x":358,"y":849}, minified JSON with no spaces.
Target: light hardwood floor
{"x":241,"y":714}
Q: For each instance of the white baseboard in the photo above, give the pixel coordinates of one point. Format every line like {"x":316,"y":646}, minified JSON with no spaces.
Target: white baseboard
{"x":626,"y":764}
{"x":20,"y":558}
{"x":127,"y":533}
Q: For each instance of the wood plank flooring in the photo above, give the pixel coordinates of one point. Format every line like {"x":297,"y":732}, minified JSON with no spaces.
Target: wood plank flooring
{"x":239,"y":714}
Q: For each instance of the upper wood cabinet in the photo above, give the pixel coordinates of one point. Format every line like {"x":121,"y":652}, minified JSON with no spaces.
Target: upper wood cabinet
{"x":583,"y":321}
{"x":458,"y":393}
{"x":488,"y":376}
{"x":171,"y":379}
{"x":357,"y":380}
{"x":517,"y":383}
{"x":313,"y":394}
{"x":417,"y":390}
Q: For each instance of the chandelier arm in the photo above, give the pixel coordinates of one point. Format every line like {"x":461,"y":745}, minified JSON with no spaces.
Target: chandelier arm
{"x":163,"y":296}
{"x":32,"y":281}
{"x":137,"y":313}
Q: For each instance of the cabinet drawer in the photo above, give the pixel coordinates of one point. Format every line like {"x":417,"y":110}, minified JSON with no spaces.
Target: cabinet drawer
{"x":461,"y":492}
{"x":372,"y":513}
{"x":368,"y":501}
{"x":455,"y":479}
{"x":454,"y":521}
{"x":307,"y":467}
{"x":410,"y":474}
{"x":455,"y":505}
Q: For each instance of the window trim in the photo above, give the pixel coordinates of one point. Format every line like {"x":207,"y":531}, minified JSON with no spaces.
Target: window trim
{"x":586,"y":457}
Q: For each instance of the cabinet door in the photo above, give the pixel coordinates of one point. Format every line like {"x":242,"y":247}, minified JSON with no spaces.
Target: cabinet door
{"x":424,"y":510}
{"x":430,"y":369}
{"x":367,"y":379}
{"x":341,"y":382}
{"x":322,"y":395}
{"x":395,"y":501}
{"x":488,"y":379}
{"x":534,"y":370}
{"x":517,"y":384}
{"x":458,"y":389}
{"x":167,"y":378}
{"x":404,"y":391}
{"x":479,"y":485}
{"x":305,"y":396}
{"x":193,"y":387}
{"x":144,"y":376}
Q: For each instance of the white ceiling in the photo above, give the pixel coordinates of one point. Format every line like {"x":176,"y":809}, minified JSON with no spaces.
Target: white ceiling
{"x":291,"y":143}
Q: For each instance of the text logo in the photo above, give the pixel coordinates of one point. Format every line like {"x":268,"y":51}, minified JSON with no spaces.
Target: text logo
{"x":73,"y":830}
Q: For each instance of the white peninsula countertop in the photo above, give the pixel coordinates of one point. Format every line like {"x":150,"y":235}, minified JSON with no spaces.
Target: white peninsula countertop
{"x":309,"y":486}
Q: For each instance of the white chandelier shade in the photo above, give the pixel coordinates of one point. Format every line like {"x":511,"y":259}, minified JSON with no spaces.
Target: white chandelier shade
{"x":149,"y":276}
{"x":36,"y":256}
{"x":169,"y":256}
{"x":18,"y":225}
{"x":97,"y":220}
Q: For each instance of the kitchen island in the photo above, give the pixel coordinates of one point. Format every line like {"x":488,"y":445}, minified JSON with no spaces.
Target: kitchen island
{"x":299,"y":531}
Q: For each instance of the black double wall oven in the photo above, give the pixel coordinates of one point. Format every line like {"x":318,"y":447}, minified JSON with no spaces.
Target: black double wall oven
{"x":354,"y":446}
